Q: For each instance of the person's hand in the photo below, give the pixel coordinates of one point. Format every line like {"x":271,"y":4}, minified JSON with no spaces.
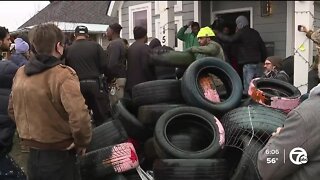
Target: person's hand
{"x":71,"y":146}
{"x":190,"y":23}
{"x":304,"y":29}
{"x":277,"y":132}
{"x":81,"y":151}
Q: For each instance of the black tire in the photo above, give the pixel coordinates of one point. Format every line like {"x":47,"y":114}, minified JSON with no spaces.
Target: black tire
{"x":107,"y":134}
{"x":245,"y":99}
{"x":149,"y":150}
{"x":247,"y":167}
{"x":134,"y":128}
{"x":266,"y":90}
{"x":109,"y":160}
{"x":173,"y":59}
{"x":190,"y":169}
{"x":110,"y":177}
{"x":264,"y":121}
{"x":149,"y":114}
{"x":155,"y":92}
{"x":132,"y":175}
{"x":230,"y":78}
{"x":188,"y":132}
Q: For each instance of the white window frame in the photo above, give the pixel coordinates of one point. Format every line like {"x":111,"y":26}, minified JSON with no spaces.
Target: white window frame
{"x":177,"y":7}
{"x":137,"y":8}
{"x":213,"y":14}
{"x":120,"y":16}
{"x":178,"y":20}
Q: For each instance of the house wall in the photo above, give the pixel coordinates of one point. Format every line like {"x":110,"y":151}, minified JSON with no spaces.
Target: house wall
{"x":316,"y":22}
{"x":271,"y":28}
{"x":186,"y":13}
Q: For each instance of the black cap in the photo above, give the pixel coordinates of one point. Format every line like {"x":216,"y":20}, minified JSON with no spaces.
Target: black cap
{"x":81,"y":30}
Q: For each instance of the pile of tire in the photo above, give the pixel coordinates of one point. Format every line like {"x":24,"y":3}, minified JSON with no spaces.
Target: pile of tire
{"x":188,"y":128}
{"x":109,"y":153}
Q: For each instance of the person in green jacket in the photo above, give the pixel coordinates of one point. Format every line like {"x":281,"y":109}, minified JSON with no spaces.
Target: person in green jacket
{"x":189,"y":39}
{"x":207,"y":48}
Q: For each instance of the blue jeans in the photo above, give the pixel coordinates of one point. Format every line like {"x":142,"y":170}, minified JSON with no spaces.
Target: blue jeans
{"x":250,"y":71}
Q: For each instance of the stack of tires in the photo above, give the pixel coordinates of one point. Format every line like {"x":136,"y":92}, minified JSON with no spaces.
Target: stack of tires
{"x":109,"y":153}
{"x":198,"y":127}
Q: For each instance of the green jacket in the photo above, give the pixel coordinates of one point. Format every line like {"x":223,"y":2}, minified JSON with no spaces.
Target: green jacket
{"x":213,"y":49}
{"x":189,"y":39}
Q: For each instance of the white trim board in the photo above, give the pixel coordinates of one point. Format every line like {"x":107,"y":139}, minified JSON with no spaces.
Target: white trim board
{"x":179,"y":22}
{"x":110,"y":8}
{"x":196,"y":11}
{"x":233,"y":11}
{"x":120,"y":16}
{"x":290,"y":28}
{"x":70,"y":27}
{"x":177,"y":7}
{"x":137,"y":8}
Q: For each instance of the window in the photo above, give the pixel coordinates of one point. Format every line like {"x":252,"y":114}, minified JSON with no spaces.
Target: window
{"x":140,"y":15}
{"x":177,"y":7}
{"x":140,"y":19}
{"x":178,"y":25}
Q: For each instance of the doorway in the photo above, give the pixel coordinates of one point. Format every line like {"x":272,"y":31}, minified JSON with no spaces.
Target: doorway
{"x":230,"y":16}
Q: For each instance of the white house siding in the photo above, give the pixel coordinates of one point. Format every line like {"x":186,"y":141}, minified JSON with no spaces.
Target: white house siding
{"x":186,"y":13}
{"x":271,"y":28}
{"x":316,"y":22}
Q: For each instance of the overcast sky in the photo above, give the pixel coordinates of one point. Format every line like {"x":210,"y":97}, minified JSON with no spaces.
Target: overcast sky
{"x":14,"y":13}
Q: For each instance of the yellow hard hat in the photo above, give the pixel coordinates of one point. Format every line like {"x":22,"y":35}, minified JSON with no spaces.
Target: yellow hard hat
{"x":205,"y":32}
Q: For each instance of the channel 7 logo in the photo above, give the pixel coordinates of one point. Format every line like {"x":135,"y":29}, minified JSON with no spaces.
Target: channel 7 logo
{"x":298,"y":156}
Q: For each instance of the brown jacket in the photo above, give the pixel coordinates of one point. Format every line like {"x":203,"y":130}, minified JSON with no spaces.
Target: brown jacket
{"x":48,"y":108}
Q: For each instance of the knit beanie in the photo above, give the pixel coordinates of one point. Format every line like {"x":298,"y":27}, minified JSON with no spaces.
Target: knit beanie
{"x":139,"y":32}
{"x":276,"y":61}
{"x":21,"y":46}
{"x":241,"y":22}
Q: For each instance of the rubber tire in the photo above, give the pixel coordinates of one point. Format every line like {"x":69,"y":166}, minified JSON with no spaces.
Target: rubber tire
{"x":279,"y":85}
{"x":110,"y":177}
{"x":149,"y":150}
{"x":173,"y":59}
{"x":264,"y":121}
{"x":149,"y":114}
{"x":247,"y":167}
{"x":158,"y":91}
{"x":134,"y":128}
{"x":245,"y":99}
{"x":166,"y":149}
{"x":91,"y":164}
{"x":190,"y":169}
{"x":107,"y":134}
{"x":232,"y":82}
{"x":132,"y":175}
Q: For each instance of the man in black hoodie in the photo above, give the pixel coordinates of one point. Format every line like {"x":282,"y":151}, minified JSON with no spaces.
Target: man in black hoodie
{"x":140,"y":69}
{"x":89,"y":60}
{"x":49,"y":109}
{"x":251,"y":50}
{"x":117,"y":61}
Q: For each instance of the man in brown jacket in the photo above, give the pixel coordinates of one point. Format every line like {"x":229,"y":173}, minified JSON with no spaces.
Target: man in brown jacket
{"x":49,"y":109}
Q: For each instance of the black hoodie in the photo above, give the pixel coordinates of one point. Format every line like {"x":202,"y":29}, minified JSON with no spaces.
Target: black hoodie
{"x":40,"y":64}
